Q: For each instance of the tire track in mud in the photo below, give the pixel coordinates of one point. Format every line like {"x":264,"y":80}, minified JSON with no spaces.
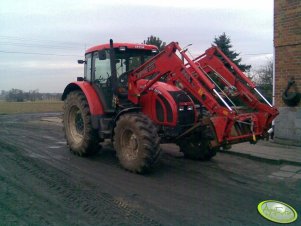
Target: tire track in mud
{"x":20,"y":204}
{"x":87,"y":203}
{"x":18,"y":201}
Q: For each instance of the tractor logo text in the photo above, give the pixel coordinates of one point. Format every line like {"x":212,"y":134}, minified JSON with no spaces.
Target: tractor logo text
{"x":139,"y":47}
{"x":155,"y":90}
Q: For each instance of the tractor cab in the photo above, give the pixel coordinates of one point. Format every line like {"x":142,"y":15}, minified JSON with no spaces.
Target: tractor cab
{"x":107,"y":68}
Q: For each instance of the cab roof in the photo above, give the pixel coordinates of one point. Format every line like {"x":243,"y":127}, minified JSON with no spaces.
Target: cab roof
{"x":117,"y":45}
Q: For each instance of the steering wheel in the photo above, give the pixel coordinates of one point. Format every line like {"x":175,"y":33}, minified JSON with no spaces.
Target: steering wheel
{"x":123,"y":79}
{"x":99,"y":80}
{"x":109,"y":81}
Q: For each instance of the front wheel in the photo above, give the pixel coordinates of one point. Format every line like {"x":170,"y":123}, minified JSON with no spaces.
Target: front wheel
{"x":136,"y":142}
{"x":82,"y":139}
{"x":197,"y":151}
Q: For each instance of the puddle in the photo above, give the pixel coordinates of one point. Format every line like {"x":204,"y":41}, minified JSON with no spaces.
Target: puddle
{"x":49,"y":137}
{"x":37,"y":156}
{"x":61,"y":142}
{"x":52,"y":119}
{"x":54,"y":147}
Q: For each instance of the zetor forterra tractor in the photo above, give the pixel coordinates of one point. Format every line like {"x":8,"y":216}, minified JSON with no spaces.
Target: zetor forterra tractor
{"x":139,"y":97}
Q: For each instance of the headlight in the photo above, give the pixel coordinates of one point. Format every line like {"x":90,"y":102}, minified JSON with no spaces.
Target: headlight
{"x":190,"y":108}
{"x":181,"y":108}
{"x":122,"y":48}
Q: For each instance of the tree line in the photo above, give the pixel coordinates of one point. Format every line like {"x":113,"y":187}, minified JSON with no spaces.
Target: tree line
{"x":18,"y":95}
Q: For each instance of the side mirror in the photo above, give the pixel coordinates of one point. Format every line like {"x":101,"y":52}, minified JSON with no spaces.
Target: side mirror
{"x":81,"y":61}
{"x":102,"y":55}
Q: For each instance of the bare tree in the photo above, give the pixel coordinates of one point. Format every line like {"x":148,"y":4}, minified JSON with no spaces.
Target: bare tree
{"x":264,"y":79}
{"x":15,"y":95}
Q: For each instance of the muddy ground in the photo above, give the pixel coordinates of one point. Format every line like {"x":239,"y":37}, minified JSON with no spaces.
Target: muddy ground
{"x":42,"y":183}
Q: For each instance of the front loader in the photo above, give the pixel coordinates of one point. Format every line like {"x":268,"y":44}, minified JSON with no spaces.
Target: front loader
{"x":139,"y":98}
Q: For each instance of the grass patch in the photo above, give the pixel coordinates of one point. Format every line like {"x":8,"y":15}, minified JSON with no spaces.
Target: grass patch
{"x":30,"y":107}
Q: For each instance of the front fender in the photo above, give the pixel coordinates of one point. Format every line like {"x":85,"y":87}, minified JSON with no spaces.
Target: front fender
{"x":95,"y":105}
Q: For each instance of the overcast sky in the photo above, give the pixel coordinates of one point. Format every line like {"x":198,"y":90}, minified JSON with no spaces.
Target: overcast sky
{"x":40,"y":41}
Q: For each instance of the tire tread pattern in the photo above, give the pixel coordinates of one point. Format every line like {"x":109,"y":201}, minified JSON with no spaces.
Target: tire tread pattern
{"x":149,"y":142}
{"x":90,"y":143}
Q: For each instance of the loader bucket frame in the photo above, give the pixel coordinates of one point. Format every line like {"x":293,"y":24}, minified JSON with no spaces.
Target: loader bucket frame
{"x":199,"y":77}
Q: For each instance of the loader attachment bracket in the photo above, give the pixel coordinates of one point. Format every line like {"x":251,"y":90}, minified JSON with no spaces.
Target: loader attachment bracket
{"x":203,"y":131}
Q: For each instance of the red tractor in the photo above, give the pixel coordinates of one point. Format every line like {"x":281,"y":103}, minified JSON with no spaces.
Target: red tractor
{"x":139,"y":98}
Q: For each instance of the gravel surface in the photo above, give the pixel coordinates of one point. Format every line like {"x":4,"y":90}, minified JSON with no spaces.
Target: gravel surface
{"x":42,"y":183}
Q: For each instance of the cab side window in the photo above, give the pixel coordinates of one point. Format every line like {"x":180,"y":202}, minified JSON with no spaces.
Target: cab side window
{"x":102,"y":70}
{"x":88,"y":67}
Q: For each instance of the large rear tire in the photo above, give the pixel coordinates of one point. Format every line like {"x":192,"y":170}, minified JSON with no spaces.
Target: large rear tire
{"x":136,"y":142}
{"x":82,"y":139}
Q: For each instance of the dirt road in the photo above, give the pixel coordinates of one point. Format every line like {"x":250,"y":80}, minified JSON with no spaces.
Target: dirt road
{"x":42,"y":183}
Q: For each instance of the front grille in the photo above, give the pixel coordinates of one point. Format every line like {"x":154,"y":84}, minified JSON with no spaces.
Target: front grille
{"x":160,"y":109}
{"x":185,"y":117}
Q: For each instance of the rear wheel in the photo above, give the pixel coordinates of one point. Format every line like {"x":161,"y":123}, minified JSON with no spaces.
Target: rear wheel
{"x":136,"y":142}
{"x":82,"y":139}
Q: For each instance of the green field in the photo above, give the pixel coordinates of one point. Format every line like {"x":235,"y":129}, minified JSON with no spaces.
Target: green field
{"x":30,"y":107}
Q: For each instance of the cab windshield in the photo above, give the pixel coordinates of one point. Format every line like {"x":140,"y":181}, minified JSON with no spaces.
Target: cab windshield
{"x":125,"y":62}
{"x":130,"y":59}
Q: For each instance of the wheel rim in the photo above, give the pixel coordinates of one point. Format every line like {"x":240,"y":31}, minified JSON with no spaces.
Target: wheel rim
{"x":129,"y":144}
{"x":76,"y":124}
{"x":79,"y":123}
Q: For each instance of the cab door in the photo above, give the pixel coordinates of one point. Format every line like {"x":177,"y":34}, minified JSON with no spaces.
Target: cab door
{"x":102,"y":80}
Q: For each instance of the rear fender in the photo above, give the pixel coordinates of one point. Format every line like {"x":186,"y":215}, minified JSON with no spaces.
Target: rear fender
{"x":95,"y":105}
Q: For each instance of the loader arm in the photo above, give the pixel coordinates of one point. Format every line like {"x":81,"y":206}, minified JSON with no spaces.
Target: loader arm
{"x":168,"y":64}
{"x":217,"y":84}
